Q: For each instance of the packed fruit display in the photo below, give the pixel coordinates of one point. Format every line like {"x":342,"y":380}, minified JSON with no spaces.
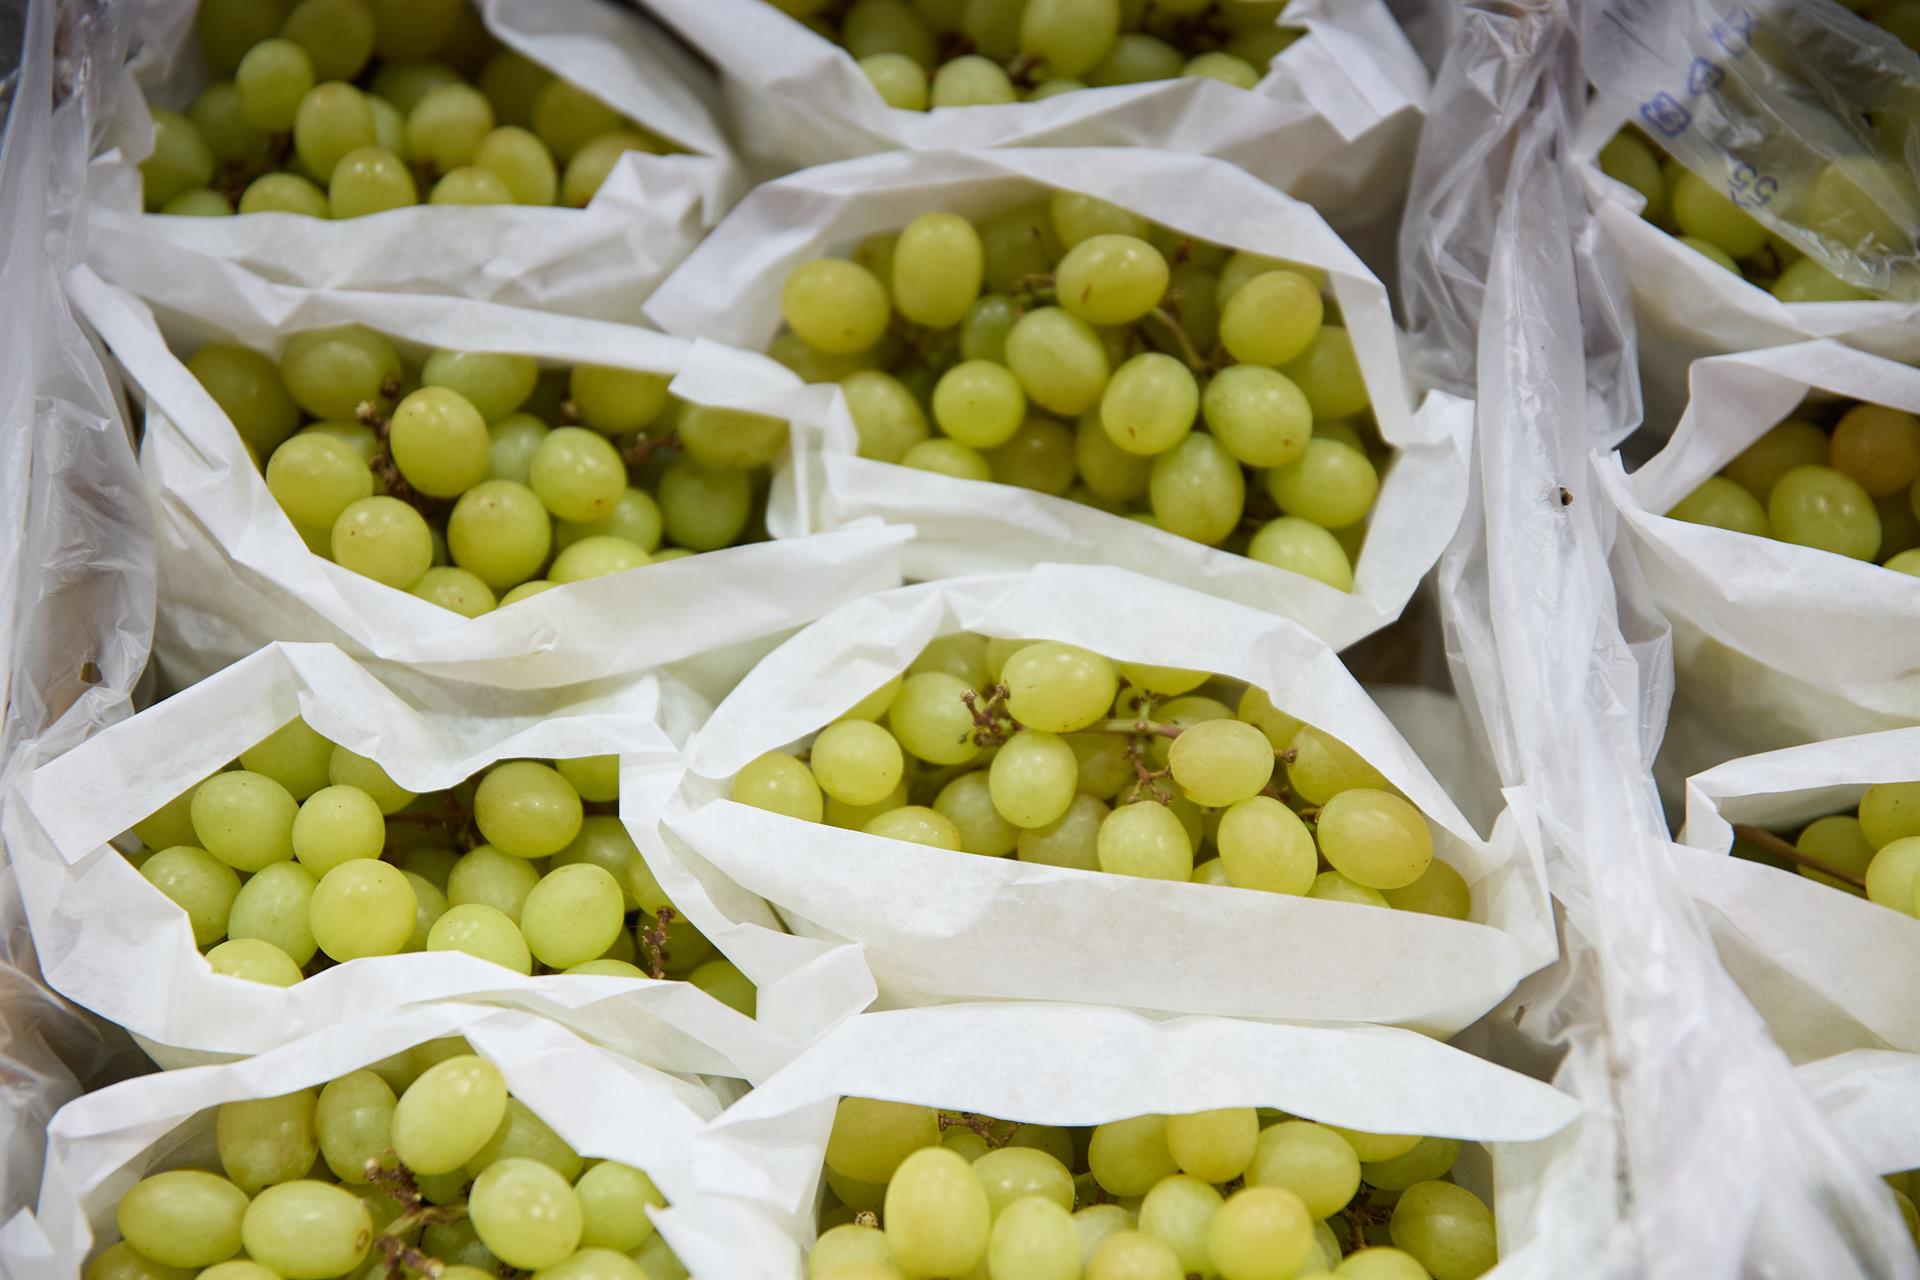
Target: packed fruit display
{"x":959,"y":640}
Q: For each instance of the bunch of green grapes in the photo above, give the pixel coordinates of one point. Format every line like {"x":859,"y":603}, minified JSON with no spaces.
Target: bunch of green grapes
{"x":340,"y":108}
{"x":1067,"y":347}
{"x":1049,"y":753}
{"x":1852,"y":488}
{"x":1873,"y":852}
{"x":969,"y":53}
{"x":1237,"y":1193}
{"x":477,"y":473}
{"x":419,"y":1165}
{"x":305,"y":854}
{"x":1836,"y":203}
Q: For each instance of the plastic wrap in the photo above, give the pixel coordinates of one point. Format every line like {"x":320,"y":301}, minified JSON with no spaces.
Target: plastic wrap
{"x":729,"y":291}
{"x":235,"y":573}
{"x":759,"y":1165}
{"x":599,"y":261}
{"x":601,"y":1104}
{"x":1551,"y":635}
{"x":112,"y":942}
{"x":989,"y":927}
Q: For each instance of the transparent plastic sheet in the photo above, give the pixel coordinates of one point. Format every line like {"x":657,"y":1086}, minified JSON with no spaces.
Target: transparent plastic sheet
{"x":1551,"y":635}
{"x":76,"y":583}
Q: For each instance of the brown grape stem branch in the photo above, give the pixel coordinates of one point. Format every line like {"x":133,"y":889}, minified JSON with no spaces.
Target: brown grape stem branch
{"x":866,"y":1218}
{"x":643,"y":447}
{"x":992,"y":722}
{"x":1134,"y":728}
{"x":1145,"y":779}
{"x":655,"y":941}
{"x":1780,"y":848}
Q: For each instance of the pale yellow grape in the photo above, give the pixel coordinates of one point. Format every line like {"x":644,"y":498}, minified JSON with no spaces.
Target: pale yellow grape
{"x":857,"y":762}
{"x":447,"y":1114}
{"x":271,"y":80}
{"x":314,"y":478}
{"x":1627,"y":159}
{"x":1109,"y":471}
{"x":1446,"y":1228}
{"x":572,"y":915}
{"x":613,"y":1202}
{"x":483,"y":932}
{"x":594,"y":163}
{"x":1891,"y":875}
{"x":254,"y":961}
{"x":1111,"y":279}
{"x":362,"y":908}
{"x":1178,"y":1212}
{"x":778,"y":782}
{"x":720,"y":437}
{"x":1271,"y":319}
{"x":603,"y":842}
{"x":1820,"y":507}
{"x":886,"y":416}
{"x":1034,"y":1239}
{"x":513,"y":442}
{"x":1221,"y":762}
{"x":931,"y":721}
{"x":1310,"y":1160}
{"x":1721,"y":503}
{"x":272,"y":907}
{"x":1374,"y":838}
{"x":1033,"y":778}
{"x":246,"y":1269}
{"x":1427,"y":1158}
{"x":524,"y":1135}
{"x":353,"y":1120}
{"x":1214,"y":1146}
{"x":262,"y":1141}
{"x":1077,"y":217}
{"x":970,"y":81}
{"x":1149,"y":404}
{"x":1376,"y":1147}
{"x":172,"y":822}
{"x":182,"y":1218}
{"x":871,"y":1137}
{"x":334,"y":825}
{"x":1059,"y":360}
{"x":1328,"y":374}
{"x":525,"y":1213}
{"x":349,"y":769}
{"x":307,"y":1230}
{"x":368,"y":180}
{"x":499,"y":532}
{"x":1303,"y":547}
{"x":1145,"y":839}
{"x":835,"y":305}
{"x":635,"y":517}
{"x":948,"y":458}
{"x":470,"y":185}
{"x":577,"y":474}
{"x":850,"y":817}
{"x":1010,"y":1173}
{"x":284,"y":193}
{"x":1331,"y":886}
{"x":967,"y":802}
{"x":526,"y":809}
{"x":520,"y":160}
{"x":1071,"y":840}
{"x":703,"y":508}
{"x":1260,"y":1233}
{"x":1058,"y":687}
{"x":1197,"y":489}
{"x":1381,"y":1262}
{"x":1713,"y":253}
{"x":1807,"y":280}
{"x":1258,"y":414}
{"x":1126,"y":1157}
{"x":1707,"y":214}
{"x":962,"y":654}
{"x":1323,"y":766}
{"x":1133,"y":1255}
{"x":1328,"y":483}
{"x":1224,"y":67}
{"x":1440,"y":891}
{"x":1889,"y":811}
{"x":937,"y":268}
{"x":850,"y":1244}
{"x":1265,"y":846}
{"x":249,"y":390}
{"x":244,"y":819}
{"x":877,"y":703}
{"x":937,"y":1215}
{"x":384,"y":539}
{"x":1038,"y":457}
{"x":1877,"y":447}
{"x":898,"y":79}
{"x":455,"y":590}
{"x":979,"y":403}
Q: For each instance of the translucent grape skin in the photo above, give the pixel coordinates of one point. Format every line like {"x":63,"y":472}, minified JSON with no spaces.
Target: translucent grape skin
{"x":183,"y":1218}
{"x":307,"y":1230}
{"x":937,"y":1215}
{"x":1820,"y":507}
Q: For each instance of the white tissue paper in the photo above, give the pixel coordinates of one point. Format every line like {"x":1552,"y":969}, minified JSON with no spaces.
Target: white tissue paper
{"x":940,"y":926}
{"x":1830,"y":971}
{"x":1774,"y":643}
{"x":1868,"y":1097}
{"x":111,"y":942}
{"x":600,"y":261}
{"x":604,"y":1105}
{"x":729,"y":291}
{"x":758,"y":1167}
{"x":235,"y":574}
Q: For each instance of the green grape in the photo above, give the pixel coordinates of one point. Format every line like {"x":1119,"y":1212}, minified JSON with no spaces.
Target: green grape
{"x":1439,"y":891}
{"x":403,"y":83}
{"x":333,"y":119}
{"x":1033,"y":778}
{"x":1808,"y":281}
{"x":1221,"y":762}
{"x":1071,"y":840}
{"x":254,"y":961}
{"x":228,"y":28}
{"x":1381,"y":1262}
{"x":572,"y":915}
{"x":267,"y":1140}
{"x":525,"y":1213}
{"x":1040,"y":457}
{"x":335,"y":825}
{"x":900,"y":81}
{"x":1150,"y":404}
{"x":1015,"y":244}
{"x":1224,"y":67}
{"x":181,"y":160}
{"x":1053,"y":88}
{"x":1197,"y":490}
{"x":967,"y":802}
{"x":440,"y":442}
{"x":857,"y":762}
{"x":331,"y":372}
{"x":1331,"y":886}
{"x":524,"y":1135}
{"x":616,"y":401}
{"x":853,"y":1244}
{"x":353,"y":1119}
{"x":577,"y":474}
{"x":271,"y":81}
{"x":1178,"y":1212}
{"x":1721,"y":503}
{"x":1323,"y":766}
{"x":284,"y":193}
{"x":725,"y":983}
{"x":916,"y":824}
{"x":1058,"y":687}
{"x":567,"y":118}
{"x":525,"y":590}
{"x":1260,"y":1233}
{"x":526,"y":809}
{"x":293,"y":755}
{"x":307,"y":1230}
{"x":357,"y":436}
{"x":447,"y":1114}
{"x":937,"y":268}
{"x":929,"y":719}
{"x":948,"y":458}
{"x":1127,"y":1157}
{"x":1010,"y":1174}
{"x":337,"y":35}
{"x":937,"y":1216}
{"x":1627,"y":159}
{"x":979,"y":403}
{"x":384,"y":539}
{"x":1134,"y":1255}
{"x":778,"y":782}
{"x":1713,"y":253}
{"x":613,"y":1202}
{"x":595,"y":1264}
{"x":248,"y":389}
{"x":315,"y":477}
{"x":1214,"y":1146}
{"x":1374,"y":838}
{"x":1310,"y":1160}
{"x":1069,"y":36}
{"x":835,"y":306}
{"x":1097,"y":1224}
{"x":272,"y":907}
{"x":430,"y":903}
{"x":519,"y":159}
{"x":888,"y":420}
{"x":1837,"y":841}
{"x":121,"y":1261}
{"x":511,"y":82}
{"x":730,"y":438}
{"x":1111,"y":279}
{"x":172,"y":822}
{"x":1303,"y":547}
{"x":182,"y":1218}
{"x":1791,"y":444}
{"x":240,"y":1269}
{"x":1328,"y":373}
{"x":493,"y":385}
{"x":704,"y":508}
{"x":596,"y":557}
{"x":244,"y":819}
{"x":1076,"y":218}
{"x":1271,"y":319}
{"x":445,"y":127}
{"x":1330,"y":484}
{"x":499,"y":532}
{"x":364,"y":907}
{"x":1145,"y":839}
{"x":1104,"y":766}
{"x":198,"y":204}
{"x":1109,"y":471}
{"x":1891,"y":875}
{"x":389,"y":126}
{"x":1053,"y":1140}
{"x":1707,"y":214}
{"x":1426,"y":1158}
{"x":349,"y":769}
{"x":1876,"y":447}
{"x":635,"y":517}
{"x":871,"y":1137}
{"x":1819,"y":507}
{"x":482,"y":931}
{"x":1377,"y":1147}
{"x":875,"y":253}
{"x":1059,"y":360}
{"x":1034,"y":1239}
{"x":593,"y":164}
{"x":1447,"y":1230}
{"x":1136,"y":59}
{"x":971,"y":81}
{"x":1259,"y":416}
{"x":1890,"y":811}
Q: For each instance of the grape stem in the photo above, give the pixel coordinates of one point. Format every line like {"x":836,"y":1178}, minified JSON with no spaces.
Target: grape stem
{"x":1780,"y":848}
{"x":1021,"y":68}
{"x":644,"y":447}
{"x":655,"y":941}
{"x":1145,"y":779}
{"x":991,"y":719}
{"x":1170,"y":320}
{"x":866,"y":1218}
{"x":1141,"y":728}
{"x":398,"y":1182}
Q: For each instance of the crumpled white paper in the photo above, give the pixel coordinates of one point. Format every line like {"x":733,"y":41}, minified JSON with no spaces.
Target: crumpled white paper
{"x":758,"y":1167}
{"x":599,"y":261}
{"x":1830,"y":971}
{"x":1868,"y":1097}
{"x":1774,"y":643}
{"x":939,"y":926}
{"x":729,"y":291}
{"x":602,"y":1104}
{"x":234,"y":573}
{"x":110,"y":941}
{"x":1333,"y":120}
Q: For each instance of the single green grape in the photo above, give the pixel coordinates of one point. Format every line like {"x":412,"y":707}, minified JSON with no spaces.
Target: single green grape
{"x":577,"y":474}
{"x":249,"y":390}
{"x":1149,"y":404}
{"x":272,"y":907}
{"x":337,"y":35}
{"x":363,"y":907}
{"x":1820,"y":507}
{"x":1058,"y":358}
{"x":1328,"y":374}
{"x":937,"y":1215}
{"x":244,"y":819}
{"x":704,"y":508}
{"x":1265,"y":846}
{"x":1127,"y":1157}
{"x":1721,"y":503}
{"x":1221,"y":762}
{"x":1426,"y":1158}
{"x":567,"y":118}
{"x":182,"y":1218}
{"x":1446,"y":1228}
{"x":271,"y":80}
{"x":264,"y":1141}
{"x":1303,"y":547}
{"x":1891,"y":875}
{"x":335,"y":825}
{"x":315,"y":477}
{"x":1374,"y":838}
{"x":1310,"y":1160}
{"x":967,"y":802}
{"x":384,"y":539}
{"x":331,"y":372}
{"x":1071,"y":840}
{"x":307,"y":1230}
{"x":1706,"y":214}
{"x":485,"y":932}
{"x":519,"y":159}
{"x":285,"y":193}
{"x":226,"y":29}
{"x":1197,"y":489}
{"x":937,"y":269}
{"x":857,"y":762}
{"x":572,"y":915}
{"x":1440,"y":891}
{"x":971,"y":81}
{"x":1145,"y":839}
{"x":1033,"y":778}
{"x":871,"y":1137}
{"x":1791,"y":444}
{"x":900,"y":81}
{"x":835,"y":305}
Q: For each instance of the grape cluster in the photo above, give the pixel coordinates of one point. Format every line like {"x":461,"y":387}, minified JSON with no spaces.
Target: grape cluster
{"x":309,"y":854}
{"x":420,"y":1161}
{"x":446,"y":479}
{"x":1235,"y":1193}
{"x":1208,"y":393}
{"x":969,"y":53}
{"x":342,"y":108}
{"x":1055,"y":755}
{"x":1704,"y":218}
{"x":1852,"y":487}
{"x":1873,"y":852}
